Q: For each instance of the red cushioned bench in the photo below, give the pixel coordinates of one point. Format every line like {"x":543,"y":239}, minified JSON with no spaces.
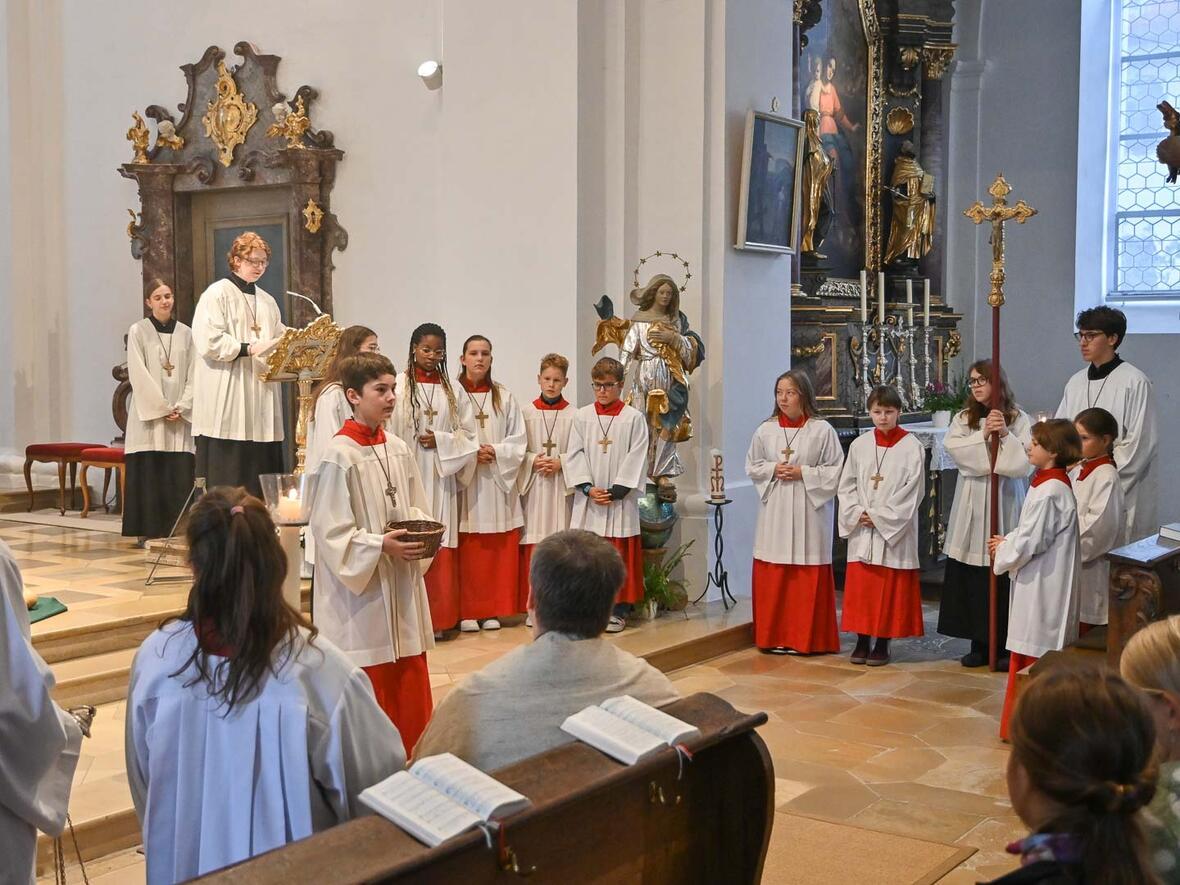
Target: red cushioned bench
{"x":107,"y":458}
{"x":60,"y":454}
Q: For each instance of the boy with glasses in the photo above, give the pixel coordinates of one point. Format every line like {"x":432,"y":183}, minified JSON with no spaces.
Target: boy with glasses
{"x":1123,"y":390}
{"x":606,"y":463}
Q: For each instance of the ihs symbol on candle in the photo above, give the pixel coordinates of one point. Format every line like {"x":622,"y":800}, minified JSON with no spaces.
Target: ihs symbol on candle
{"x":290,"y":507}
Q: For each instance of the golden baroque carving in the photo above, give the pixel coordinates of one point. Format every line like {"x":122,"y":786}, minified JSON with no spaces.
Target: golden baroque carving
{"x":936,"y":57}
{"x":875,"y":135}
{"x":290,"y":124}
{"x":900,"y":121}
{"x":1139,"y":589}
{"x":138,"y":135}
{"x":229,"y":116}
{"x":909,"y":57}
{"x":313,"y":216}
{"x":806,"y":351}
{"x":166,"y":136}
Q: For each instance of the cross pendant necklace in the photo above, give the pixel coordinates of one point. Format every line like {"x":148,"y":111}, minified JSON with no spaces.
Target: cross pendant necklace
{"x":606,"y":440}
{"x":254,"y":327}
{"x":430,"y":412}
{"x":549,"y":445}
{"x":788,"y":451}
{"x":167,"y":364}
{"x":481,"y":416}
{"x":390,"y":488}
{"x":878,"y":459}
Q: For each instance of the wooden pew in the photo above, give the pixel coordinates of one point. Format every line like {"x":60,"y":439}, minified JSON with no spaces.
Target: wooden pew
{"x":1144,"y":587}
{"x":592,"y":819}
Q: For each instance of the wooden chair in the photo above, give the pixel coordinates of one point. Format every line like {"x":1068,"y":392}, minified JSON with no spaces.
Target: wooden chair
{"x":107,"y":458}
{"x":60,"y":454}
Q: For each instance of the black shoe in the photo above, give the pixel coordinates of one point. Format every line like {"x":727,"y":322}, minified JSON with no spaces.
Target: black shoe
{"x":880,"y":654}
{"x":860,"y":654}
{"x":1002,"y":664}
{"x":974,"y":659}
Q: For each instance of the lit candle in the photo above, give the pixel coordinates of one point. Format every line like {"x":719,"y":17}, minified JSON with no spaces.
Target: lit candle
{"x":909,"y":302}
{"x":881,"y":297}
{"x":926,"y":298}
{"x":864,"y":297}
{"x":290,"y":507}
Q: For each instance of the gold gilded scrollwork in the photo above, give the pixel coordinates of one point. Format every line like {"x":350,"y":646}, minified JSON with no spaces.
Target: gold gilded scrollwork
{"x":229,"y":116}
{"x":874,"y":135}
{"x":138,"y":136}
{"x":909,"y":57}
{"x":806,"y":351}
{"x":166,"y":136}
{"x":936,"y":57}
{"x":900,"y":121}
{"x":313,"y":216}
{"x":289,"y":124}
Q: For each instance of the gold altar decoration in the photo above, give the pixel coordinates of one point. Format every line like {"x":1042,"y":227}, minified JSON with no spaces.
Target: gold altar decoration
{"x":874,"y":135}
{"x":909,"y":57}
{"x":313,"y":216}
{"x":303,"y":355}
{"x":289,"y":124}
{"x":900,"y":121}
{"x":661,"y":254}
{"x":997,"y":214}
{"x":806,"y":351}
{"x":138,"y":135}
{"x":817,"y":170}
{"x":166,"y":136}
{"x":936,"y":57}
{"x":229,"y":116}
{"x":911,"y":233}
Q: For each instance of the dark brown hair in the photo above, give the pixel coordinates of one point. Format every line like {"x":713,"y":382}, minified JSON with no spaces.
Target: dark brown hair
{"x":350,"y":343}
{"x":462,"y":376}
{"x":1107,"y":320}
{"x":647,"y":298}
{"x":802,"y":382}
{"x":359,"y":369}
{"x":153,"y":284}
{"x":977,"y":411}
{"x":607,"y":367}
{"x":1100,"y":423}
{"x":236,"y":601}
{"x":1086,"y":740}
{"x":1059,"y":436}
{"x":574,"y":576}
{"x":884,"y":396}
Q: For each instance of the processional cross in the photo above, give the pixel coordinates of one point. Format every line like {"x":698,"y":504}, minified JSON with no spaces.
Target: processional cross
{"x":996,"y":214}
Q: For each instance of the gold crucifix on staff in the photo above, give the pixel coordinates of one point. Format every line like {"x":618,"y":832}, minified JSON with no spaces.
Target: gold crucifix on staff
{"x":998,"y":213}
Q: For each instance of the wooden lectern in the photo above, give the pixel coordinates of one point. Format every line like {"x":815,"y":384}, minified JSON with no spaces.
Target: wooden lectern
{"x":592,"y":820}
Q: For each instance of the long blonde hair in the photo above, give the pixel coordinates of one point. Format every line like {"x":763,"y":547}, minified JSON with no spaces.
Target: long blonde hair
{"x":1151,"y":659}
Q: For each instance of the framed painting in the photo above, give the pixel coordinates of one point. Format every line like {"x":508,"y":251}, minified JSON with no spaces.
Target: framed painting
{"x":768,"y":206}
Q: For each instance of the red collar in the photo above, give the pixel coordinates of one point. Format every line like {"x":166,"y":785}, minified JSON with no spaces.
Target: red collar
{"x":482,"y":387}
{"x":361,"y":434}
{"x":546,"y":407}
{"x":210,"y":641}
{"x":784,"y":421}
{"x":887,"y":440}
{"x":423,"y":377}
{"x":1051,"y":473}
{"x":1090,"y":466}
{"x":612,"y":410}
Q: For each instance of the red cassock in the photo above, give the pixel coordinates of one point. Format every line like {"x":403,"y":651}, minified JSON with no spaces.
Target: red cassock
{"x":402,"y":688}
{"x":442,"y":588}
{"x":1016,"y":663}
{"x":489,"y":573}
{"x":631,"y":549}
{"x":882,"y":601}
{"x":795,"y":607}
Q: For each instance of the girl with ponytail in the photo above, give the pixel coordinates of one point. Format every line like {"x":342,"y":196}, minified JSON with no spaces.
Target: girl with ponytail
{"x":236,"y":708}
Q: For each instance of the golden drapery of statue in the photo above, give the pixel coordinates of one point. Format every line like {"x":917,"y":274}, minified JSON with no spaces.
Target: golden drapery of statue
{"x":912,"y":232}
{"x":817,"y":173}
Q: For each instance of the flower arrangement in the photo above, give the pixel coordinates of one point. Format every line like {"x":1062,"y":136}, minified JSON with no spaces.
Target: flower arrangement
{"x":942,"y":397}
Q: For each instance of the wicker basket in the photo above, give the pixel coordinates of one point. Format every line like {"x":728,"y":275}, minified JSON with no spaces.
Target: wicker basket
{"x":425,"y":531}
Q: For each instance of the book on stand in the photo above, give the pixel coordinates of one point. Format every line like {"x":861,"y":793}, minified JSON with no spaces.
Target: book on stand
{"x":1171,"y":531}
{"x":628,"y":730}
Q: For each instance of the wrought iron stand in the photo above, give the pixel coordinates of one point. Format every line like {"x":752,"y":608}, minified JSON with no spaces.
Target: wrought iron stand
{"x":719,"y":577}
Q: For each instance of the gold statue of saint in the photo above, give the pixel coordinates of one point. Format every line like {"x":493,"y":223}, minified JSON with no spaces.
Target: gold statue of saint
{"x":912,"y":233}
{"x":817,"y":173}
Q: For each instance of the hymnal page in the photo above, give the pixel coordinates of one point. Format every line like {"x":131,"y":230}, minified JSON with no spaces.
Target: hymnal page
{"x":470,"y":787}
{"x":418,"y":808}
{"x":667,"y":728}
{"x":612,"y":735}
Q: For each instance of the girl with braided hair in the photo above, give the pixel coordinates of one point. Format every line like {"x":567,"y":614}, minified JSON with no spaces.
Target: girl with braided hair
{"x":440,"y":429}
{"x":1081,"y":768}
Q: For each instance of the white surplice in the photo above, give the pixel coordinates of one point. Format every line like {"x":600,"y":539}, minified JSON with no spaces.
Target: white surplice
{"x":1100,"y":526}
{"x":39,"y":741}
{"x":1128,"y":395}
{"x":372,"y":606}
{"x":547,"y":501}
{"x":212,"y":788}
{"x":795,"y":520}
{"x":156,"y":393}
{"x":332,"y":409}
{"x":969,"y":524}
{"x":489,"y":501}
{"x":623,"y":463}
{"x":893,"y":505}
{"x":230,"y":399}
{"x":1041,"y":556}
{"x":455,"y":446}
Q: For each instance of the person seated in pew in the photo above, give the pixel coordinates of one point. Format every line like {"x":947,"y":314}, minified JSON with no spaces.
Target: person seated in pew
{"x":244,"y":730}
{"x":514,"y":707}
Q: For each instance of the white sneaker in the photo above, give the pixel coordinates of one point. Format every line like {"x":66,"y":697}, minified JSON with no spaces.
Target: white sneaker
{"x":616,"y":625}
{"x":528,"y":621}
{"x":490,"y":624}
{"x":469,"y":625}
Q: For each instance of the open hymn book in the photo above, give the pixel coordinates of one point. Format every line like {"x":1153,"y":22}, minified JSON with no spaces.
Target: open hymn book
{"x":627,"y":729}
{"x":440,"y":797}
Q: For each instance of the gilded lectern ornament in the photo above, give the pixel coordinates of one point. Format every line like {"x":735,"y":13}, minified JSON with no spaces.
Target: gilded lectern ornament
{"x":229,"y":117}
{"x":290,"y":124}
{"x":138,"y":135}
{"x":313,"y":216}
{"x":166,"y":136}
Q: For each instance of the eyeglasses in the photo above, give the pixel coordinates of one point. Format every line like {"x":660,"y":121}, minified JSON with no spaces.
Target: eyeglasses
{"x":1088,"y":336}
{"x":604,"y":385}
{"x":257,"y":262}
{"x":976,"y":382}
{"x":431,"y":351}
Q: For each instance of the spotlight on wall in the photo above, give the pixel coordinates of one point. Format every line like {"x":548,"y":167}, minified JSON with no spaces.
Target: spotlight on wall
{"x":431,"y":74}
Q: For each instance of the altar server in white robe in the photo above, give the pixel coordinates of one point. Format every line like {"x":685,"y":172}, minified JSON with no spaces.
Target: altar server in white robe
{"x":880,"y":493}
{"x":1123,"y":390}
{"x":964,"y":610}
{"x":794,"y":462}
{"x":490,"y":515}
{"x":237,"y":417}
{"x":1099,"y":495}
{"x":244,"y":730}
{"x":39,"y":741}
{"x":158,"y":450}
{"x":546,"y":499}
{"x":1042,"y":556}
{"x":370,"y":598}
{"x":606,"y":464}
{"x":332,"y":408}
{"x":440,"y":431}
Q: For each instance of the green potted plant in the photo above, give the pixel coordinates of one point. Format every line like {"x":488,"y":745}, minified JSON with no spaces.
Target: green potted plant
{"x":943,"y":400}
{"x":660,"y":589}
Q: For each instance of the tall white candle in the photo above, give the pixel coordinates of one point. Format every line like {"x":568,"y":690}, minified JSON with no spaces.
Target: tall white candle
{"x":881,"y":297}
{"x":864,"y":297}
{"x":926,"y":298}
{"x":909,"y":302}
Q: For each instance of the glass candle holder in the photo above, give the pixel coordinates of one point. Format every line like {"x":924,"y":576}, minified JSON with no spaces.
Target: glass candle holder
{"x":288,"y":497}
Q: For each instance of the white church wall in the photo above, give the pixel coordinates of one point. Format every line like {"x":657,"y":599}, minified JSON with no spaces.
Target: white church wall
{"x":1028,"y":111}
{"x":7,"y":418}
